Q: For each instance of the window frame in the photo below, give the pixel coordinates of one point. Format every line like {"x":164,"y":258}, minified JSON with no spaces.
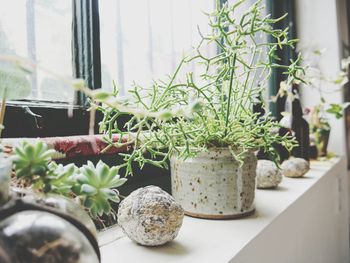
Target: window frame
{"x":278,"y":9}
{"x":86,"y":60}
{"x":343,"y":12}
{"x":86,"y":64}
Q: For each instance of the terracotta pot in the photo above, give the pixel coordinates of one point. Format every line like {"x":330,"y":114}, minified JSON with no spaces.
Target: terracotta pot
{"x":214,"y":185}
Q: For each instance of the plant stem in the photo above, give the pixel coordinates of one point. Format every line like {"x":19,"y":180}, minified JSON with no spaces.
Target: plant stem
{"x":2,"y":114}
{"x":230,"y":92}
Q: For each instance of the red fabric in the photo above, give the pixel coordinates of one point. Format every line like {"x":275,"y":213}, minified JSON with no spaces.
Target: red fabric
{"x":83,"y":145}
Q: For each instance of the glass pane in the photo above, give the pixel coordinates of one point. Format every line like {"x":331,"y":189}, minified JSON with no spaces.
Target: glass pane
{"x":144,"y":40}
{"x":41,"y":31}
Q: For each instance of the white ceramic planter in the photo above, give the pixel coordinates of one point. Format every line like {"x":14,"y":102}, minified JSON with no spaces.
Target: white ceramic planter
{"x":213,"y":184}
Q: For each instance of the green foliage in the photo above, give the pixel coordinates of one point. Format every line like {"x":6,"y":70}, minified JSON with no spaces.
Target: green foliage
{"x":324,"y":85}
{"x":60,"y":178}
{"x":31,"y":160}
{"x":212,"y":107}
{"x":337,"y":109}
{"x":95,"y":186}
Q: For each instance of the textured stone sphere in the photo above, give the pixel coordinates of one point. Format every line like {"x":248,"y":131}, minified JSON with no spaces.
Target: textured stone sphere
{"x":295,"y":167}
{"x":150,"y":216}
{"x":268,"y":175}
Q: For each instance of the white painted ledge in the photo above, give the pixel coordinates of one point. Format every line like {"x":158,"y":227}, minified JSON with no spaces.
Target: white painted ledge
{"x":304,"y":220}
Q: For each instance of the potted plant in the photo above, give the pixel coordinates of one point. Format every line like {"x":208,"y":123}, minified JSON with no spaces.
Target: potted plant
{"x":203,"y":121}
{"x":93,"y":187}
{"x":319,"y":113}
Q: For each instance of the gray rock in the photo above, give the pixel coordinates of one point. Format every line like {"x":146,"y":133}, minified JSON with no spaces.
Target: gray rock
{"x":268,"y":175}
{"x":150,"y":216}
{"x":295,"y":167}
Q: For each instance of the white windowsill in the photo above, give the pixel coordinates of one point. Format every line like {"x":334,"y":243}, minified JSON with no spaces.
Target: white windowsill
{"x":238,"y":240}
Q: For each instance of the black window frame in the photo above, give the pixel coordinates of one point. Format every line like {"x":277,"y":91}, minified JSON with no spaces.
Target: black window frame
{"x":278,"y":9}
{"x":37,"y":118}
{"x":343,"y":13}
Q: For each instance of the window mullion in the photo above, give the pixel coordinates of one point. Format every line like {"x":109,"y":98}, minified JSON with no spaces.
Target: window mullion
{"x":86,"y":45}
{"x":278,"y":9}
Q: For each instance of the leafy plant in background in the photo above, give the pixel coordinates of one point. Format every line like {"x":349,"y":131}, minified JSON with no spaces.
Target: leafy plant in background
{"x":323,"y":84}
{"x":94,"y":187}
{"x":193,"y":111}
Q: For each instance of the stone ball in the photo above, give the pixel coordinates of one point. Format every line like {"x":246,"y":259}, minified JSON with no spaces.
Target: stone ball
{"x":150,"y":216}
{"x":268,"y":175}
{"x":295,"y":167}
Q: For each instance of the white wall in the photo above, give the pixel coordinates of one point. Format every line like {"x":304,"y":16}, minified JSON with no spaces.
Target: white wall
{"x":317,"y":28}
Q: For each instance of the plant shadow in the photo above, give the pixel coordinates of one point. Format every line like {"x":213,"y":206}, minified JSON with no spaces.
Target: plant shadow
{"x":272,"y":189}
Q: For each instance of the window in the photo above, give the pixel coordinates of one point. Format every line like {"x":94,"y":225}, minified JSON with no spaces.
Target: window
{"x":40,"y":30}
{"x":122,"y":41}
{"x":145,"y":40}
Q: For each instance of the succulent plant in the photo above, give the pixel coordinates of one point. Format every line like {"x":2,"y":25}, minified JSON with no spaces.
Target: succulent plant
{"x":31,"y":160}
{"x":95,"y":187}
{"x":59,"y":179}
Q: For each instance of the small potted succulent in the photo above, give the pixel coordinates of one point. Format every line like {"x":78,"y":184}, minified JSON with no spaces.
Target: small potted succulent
{"x":94,"y":187}
{"x":203,"y":121}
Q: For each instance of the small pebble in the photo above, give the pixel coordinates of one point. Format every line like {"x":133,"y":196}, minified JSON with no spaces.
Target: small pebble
{"x":268,"y":175}
{"x":295,"y":167}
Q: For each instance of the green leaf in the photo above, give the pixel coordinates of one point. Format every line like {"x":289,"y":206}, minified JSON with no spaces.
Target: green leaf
{"x":116,"y":182}
{"x":90,"y":174}
{"x":100,"y":95}
{"x":80,"y":178}
{"x":76,"y":189}
{"x":102,"y":171}
{"x":89,"y":202}
{"x":165,"y":115}
{"x":337,"y":109}
{"x":88,"y":189}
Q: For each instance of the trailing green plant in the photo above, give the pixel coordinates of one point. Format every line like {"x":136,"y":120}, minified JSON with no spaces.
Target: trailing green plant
{"x":96,"y":187}
{"x":211,"y":107}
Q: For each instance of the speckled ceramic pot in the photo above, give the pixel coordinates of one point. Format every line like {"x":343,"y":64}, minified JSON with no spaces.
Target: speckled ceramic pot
{"x":213,"y":185}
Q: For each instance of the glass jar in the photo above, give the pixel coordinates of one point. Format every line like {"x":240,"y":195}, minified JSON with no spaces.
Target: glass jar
{"x":39,"y":236}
